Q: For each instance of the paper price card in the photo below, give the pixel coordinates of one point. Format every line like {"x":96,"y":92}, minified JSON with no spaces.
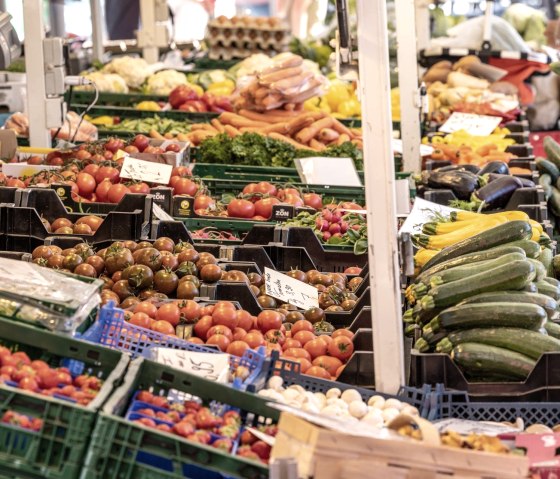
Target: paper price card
{"x":290,"y":290}
{"x":477,"y":125}
{"x":146,"y":171}
{"x":214,"y":367}
{"x":423,"y":212}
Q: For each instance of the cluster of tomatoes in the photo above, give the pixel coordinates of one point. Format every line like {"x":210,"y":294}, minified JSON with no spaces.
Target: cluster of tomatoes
{"x":234,"y":331}
{"x":86,"y":225}
{"x":18,"y":370}
{"x":14,"y":418}
{"x":187,"y":419}
{"x":250,"y":447}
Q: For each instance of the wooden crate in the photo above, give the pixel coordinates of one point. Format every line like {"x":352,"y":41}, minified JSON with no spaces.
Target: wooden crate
{"x":325,"y":454}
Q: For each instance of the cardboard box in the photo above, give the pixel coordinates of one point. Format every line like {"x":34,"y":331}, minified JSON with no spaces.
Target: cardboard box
{"x":169,"y":158}
{"x":325,"y":454}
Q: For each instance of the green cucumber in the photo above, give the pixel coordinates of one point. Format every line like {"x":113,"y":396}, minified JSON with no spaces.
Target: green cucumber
{"x":545,"y":302}
{"x":553,"y":329}
{"x":540,"y":270}
{"x":501,"y":234}
{"x":515,"y":275}
{"x":552,"y":150}
{"x":466,"y":271}
{"x":477,"y":360}
{"x":545,"y":257}
{"x":544,"y":287}
{"x":478,"y":315}
{"x":547,"y":167}
{"x":532,"y":248}
{"x":529,"y":343}
{"x":471,"y":258}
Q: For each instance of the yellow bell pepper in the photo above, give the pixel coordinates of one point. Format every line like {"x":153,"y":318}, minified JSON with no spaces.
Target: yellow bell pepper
{"x":350,"y":108}
{"x":229,"y":84}
{"x":148,"y":106}
{"x":102,"y":120}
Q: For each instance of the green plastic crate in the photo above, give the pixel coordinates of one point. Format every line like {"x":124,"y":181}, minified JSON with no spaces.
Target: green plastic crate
{"x":239,"y":228}
{"x":58,"y":450}
{"x":116,"y":443}
{"x":106,"y":98}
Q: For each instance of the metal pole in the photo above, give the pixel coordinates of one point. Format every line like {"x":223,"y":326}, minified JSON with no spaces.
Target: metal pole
{"x":379,"y":170}
{"x":97,"y":29}
{"x":422,"y":14}
{"x":56,"y":13}
{"x":408,"y":84}
{"x":148,"y":31}
{"x":39,"y":134}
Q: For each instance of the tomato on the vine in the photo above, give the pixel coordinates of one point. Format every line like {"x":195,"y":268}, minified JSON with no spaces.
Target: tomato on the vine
{"x":241,"y":209}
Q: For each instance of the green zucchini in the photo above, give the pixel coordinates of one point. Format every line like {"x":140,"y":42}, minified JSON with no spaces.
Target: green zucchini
{"x":478,"y":315}
{"x":540,"y":270}
{"x":426,"y":342}
{"x":410,"y":330}
{"x":544,"y":287}
{"x":477,"y":360}
{"x":545,"y":182}
{"x":556,"y":265}
{"x":545,"y":257}
{"x":423,"y":316}
{"x":552,"y":150}
{"x":545,"y":302}
{"x":532,"y":248}
{"x":530,"y":288}
{"x":553,"y":329}
{"x":529,"y":343}
{"x":471,"y":258}
{"x":499,"y":235}
{"x":552,"y":281}
{"x":554,"y":201}
{"x":547,"y":167}
{"x":515,"y":275}
{"x":466,"y":271}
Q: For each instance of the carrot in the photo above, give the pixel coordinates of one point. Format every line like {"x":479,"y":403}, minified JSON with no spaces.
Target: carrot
{"x":268,"y":117}
{"x":283,"y":113}
{"x":328,"y":134}
{"x":272,"y":101}
{"x":340,"y":128}
{"x":202,"y":126}
{"x":293,"y":82}
{"x":305,"y":135}
{"x":516,"y":170}
{"x":237,"y":120}
{"x":316,"y":145}
{"x":279,"y":75}
{"x":356,"y":131}
{"x":198,"y":136}
{"x":182,"y":137}
{"x":281,"y":127}
{"x":231,"y":131}
{"x":168,"y":136}
{"x":217,"y":125}
{"x":486,"y":149}
{"x":298,"y":123}
{"x":251,"y":129}
{"x":342,"y":139}
{"x":155,"y":134}
{"x":299,"y":146}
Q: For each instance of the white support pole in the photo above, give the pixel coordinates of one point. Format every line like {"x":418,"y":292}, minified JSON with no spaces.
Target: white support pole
{"x":422,"y":16}
{"x":39,"y":134}
{"x":147,"y":37}
{"x":97,"y":29}
{"x":408,"y":84}
{"x":380,"y":195}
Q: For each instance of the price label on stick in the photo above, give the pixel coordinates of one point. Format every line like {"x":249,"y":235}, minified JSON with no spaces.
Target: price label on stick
{"x":214,"y":367}
{"x":147,"y":171}
{"x":477,"y":125}
{"x":290,"y":290}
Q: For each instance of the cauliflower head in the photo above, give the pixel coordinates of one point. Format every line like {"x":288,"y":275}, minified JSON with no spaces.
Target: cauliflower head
{"x":107,"y":82}
{"x":133,"y":70}
{"x":162,"y":82}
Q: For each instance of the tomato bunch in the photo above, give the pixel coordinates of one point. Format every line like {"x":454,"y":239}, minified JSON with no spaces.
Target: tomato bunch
{"x":234,"y":331}
{"x":187,"y":419}
{"x":86,"y":225}
{"x":19,"y":420}
{"x":250,"y":447}
{"x":18,"y":370}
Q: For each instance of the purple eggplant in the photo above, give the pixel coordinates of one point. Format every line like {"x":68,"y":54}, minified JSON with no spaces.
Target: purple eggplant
{"x":525,"y":182}
{"x":472,"y":168}
{"x":463,"y":183}
{"x":497,"y":193}
{"x":498,"y":167}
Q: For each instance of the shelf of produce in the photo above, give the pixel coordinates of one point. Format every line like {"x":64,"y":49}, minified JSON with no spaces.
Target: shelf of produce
{"x":58,"y":448}
{"x":237,"y":231}
{"x":120,"y":448}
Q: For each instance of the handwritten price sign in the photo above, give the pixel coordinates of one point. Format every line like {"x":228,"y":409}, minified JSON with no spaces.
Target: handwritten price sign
{"x":290,"y":290}
{"x":146,"y":171}
{"x":214,"y":367}
{"x":477,"y":125}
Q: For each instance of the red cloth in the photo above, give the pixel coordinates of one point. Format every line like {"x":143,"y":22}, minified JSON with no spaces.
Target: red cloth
{"x":536,"y":139}
{"x":519,"y":71}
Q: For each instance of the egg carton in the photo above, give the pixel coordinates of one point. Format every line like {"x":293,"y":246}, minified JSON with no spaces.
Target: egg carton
{"x":227,"y":54}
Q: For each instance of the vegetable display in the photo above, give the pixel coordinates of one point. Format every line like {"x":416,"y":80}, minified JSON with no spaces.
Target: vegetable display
{"x":549,"y":175}
{"x":486,"y":295}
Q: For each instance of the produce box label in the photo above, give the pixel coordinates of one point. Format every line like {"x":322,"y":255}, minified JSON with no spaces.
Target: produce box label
{"x":147,"y":171}
{"x":210,"y":366}
{"x":183,"y":207}
{"x":290,"y":290}
{"x":163,"y":197}
{"x":282,"y":212}
{"x":423,"y":212}
{"x":477,"y":125}
{"x":319,"y":170}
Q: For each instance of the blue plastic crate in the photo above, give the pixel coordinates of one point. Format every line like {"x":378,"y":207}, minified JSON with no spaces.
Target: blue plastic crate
{"x":113,"y":331}
{"x":290,"y":372}
{"x":456,"y":404}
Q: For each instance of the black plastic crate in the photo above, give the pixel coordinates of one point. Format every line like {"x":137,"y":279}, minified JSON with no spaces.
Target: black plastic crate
{"x":542,"y":384}
{"x":457,"y":404}
{"x":176,"y":230}
{"x":8,"y":194}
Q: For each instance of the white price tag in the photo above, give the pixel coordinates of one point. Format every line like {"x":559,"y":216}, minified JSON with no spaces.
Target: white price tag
{"x":425,"y":150}
{"x":319,"y":170}
{"x":477,"y":125}
{"x":146,"y":171}
{"x":214,"y":367}
{"x":160,"y":214}
{"x":290,"y":290}
{"x":423,"y":212}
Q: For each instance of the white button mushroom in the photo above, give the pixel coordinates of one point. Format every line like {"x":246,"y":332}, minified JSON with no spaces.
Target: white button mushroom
{"x":333,"y":392}
{"x":310,"y":407}
{"x":275,"y":382}
{"x":321,"y":399}
{"x":373,"y":419}
{"x":358,"y":409}
{"x":290,"y":394}
{"x":410,"y":410}
{"x":393,"y":403}
{"x":389,"y":414}
{"x":374,"y":399}
{"x":351,"y":395}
